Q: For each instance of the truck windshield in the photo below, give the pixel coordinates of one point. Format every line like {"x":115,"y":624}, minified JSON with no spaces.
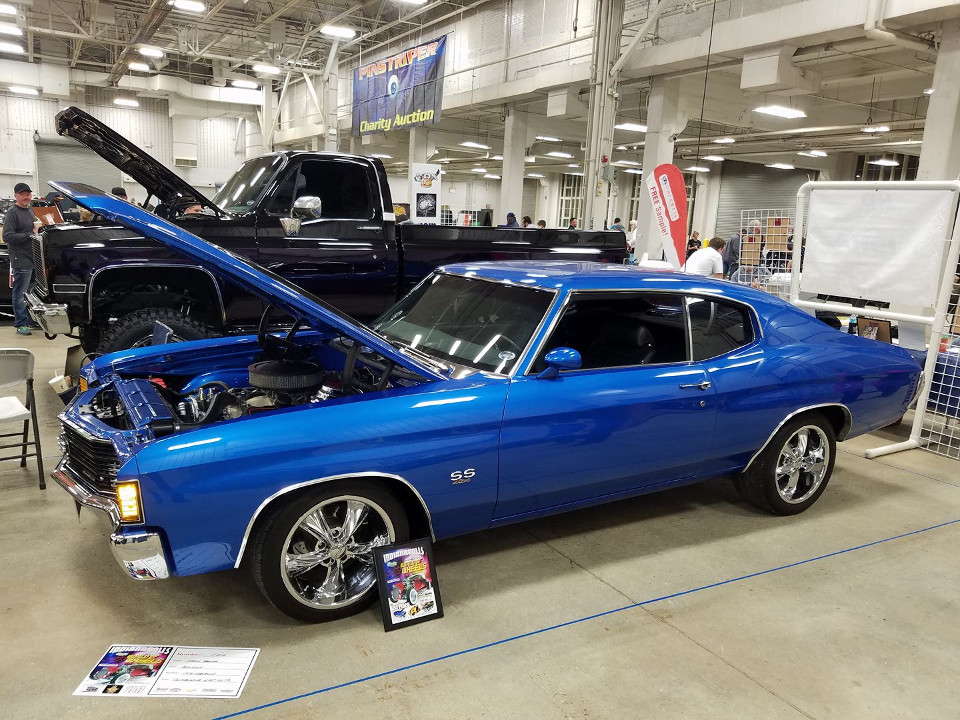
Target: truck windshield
{"x":469,"y":321}
{"x":240,"y":193}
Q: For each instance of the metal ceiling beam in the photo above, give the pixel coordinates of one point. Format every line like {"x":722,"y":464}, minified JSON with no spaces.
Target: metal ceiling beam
{"x":155,"y":15}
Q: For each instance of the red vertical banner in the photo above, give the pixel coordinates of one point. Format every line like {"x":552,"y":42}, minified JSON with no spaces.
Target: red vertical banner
{"x":668,"y":193}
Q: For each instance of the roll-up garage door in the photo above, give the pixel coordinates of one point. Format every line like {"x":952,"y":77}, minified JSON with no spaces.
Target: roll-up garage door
{"x":73,"y":163}
{"x":745,"y":186}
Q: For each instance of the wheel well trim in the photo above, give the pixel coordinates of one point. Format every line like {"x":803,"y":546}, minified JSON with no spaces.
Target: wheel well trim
{"x":840,"y":435}
{"x":178,"y":266}
{"x":369,"y":475}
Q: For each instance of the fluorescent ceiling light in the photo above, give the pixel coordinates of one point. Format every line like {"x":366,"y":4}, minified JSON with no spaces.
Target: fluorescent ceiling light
{"x":530,"y":158}
{"x":21,"y":90}
{"x":413,"y":2}
{"x":781,"y":111}
{"x":812,"y":153}
{"x":490,"y":176}
{"x":876,"y":129}
{"x":266,"y":69}
{"x":139,"y":67}
{"x":10,"y":29}
{"x":725,"y":141}
{"x":338,"y":31}
{"x":558,"y":154}
{"x":627,"y":162}
{"x":884,"y":161}
{"x":549,"y":138}
{"x":478,"y":170}
{"x":126,"y":102}
{"x":634,"y":171}
{"x":381,"y":156}
{"x":189,"y":5}
{"x":577,"y":174}
{"x":150,"y":51}
{"x":6,"y":9}
{"x":11,"y":48}
{"x":574,"y":165}
{"x":497,"y":157}
{"x":472,"y":144}
{"x":534,"y":175}
{"x":246,"y":84}
{"x":929,"y":91}
{"x":713,"y":158}
{"x":698,"y":168}
{"x":781,"y":166}
{"x":634,"y":127}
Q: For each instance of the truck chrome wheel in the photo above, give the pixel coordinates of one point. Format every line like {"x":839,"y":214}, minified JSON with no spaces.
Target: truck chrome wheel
{"x":313,"y":556}
{"x":802,"y":465}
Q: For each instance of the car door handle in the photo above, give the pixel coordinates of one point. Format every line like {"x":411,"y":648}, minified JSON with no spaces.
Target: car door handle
{"x":703,"y":385}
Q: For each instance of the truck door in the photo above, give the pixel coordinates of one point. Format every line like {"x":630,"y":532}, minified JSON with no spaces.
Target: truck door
{"x":342,"y":256}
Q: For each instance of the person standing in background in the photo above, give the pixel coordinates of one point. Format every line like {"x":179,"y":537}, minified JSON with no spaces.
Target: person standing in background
{"x":573,"y":224}
{"x":731,"y":255}
{"x":542,"y":224}
{"x":19,"y":225}
{"x":632,"y":238}
{"x":707,"y":261}
{"x":526,"y":222}
{"x":617,"y":225}
{"x":693,"y":244}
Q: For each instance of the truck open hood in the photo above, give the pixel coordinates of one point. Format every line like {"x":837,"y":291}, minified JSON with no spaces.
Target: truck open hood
{"x":160,"y":182}
{"x":268,"y":286}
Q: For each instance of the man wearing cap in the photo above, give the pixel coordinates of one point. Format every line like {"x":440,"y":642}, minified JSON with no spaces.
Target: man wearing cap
{"x":512,"y":221}
{"x":19,"y":225}
{"x":119,"y":192}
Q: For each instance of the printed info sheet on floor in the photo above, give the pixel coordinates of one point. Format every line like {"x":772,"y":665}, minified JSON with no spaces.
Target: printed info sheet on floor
{"x":170,"y":671}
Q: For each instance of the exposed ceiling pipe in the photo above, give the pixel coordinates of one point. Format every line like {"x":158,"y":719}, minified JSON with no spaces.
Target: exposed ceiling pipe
{"x":874,"y":29}
{"x":159,"y":9}
{"x":786,"y":134}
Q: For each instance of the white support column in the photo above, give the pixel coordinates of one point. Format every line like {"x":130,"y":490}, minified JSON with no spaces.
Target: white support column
{"x":511,"y":183}
{"x":418,"y":145}
{"x":664,"y":121}
{"x":940,"y":156}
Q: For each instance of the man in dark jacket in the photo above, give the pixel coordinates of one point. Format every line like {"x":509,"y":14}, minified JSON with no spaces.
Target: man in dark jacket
{"x":18,"y":230}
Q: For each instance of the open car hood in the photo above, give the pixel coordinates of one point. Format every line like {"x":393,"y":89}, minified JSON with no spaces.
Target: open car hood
{"x":160,"y":182}
{"x":266,"y":285}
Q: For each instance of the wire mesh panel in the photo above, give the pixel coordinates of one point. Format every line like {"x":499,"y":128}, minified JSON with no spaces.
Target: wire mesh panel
{"x":940,"y":433}
{"x":766,"y":247}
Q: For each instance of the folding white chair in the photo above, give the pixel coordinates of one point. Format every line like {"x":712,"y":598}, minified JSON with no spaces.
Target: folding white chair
{"x":16,"y":366}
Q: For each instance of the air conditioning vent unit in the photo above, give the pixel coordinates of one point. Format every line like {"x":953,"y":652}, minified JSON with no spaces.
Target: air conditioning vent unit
{"x":185,"y":162}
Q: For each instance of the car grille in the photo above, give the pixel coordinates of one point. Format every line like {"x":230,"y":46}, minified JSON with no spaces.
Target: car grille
{"x":40,"y":267}
{"x":94,"y":461}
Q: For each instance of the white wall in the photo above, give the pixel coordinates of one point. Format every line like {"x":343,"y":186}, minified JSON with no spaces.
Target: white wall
{"x":455,"y":194}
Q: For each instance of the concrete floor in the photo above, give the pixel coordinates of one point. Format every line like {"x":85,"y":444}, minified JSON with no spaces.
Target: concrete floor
{"x":687,"y":604}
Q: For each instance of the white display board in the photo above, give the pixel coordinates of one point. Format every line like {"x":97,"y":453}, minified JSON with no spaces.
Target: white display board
{"x":425,"y":193}
{"x":877,"y":244}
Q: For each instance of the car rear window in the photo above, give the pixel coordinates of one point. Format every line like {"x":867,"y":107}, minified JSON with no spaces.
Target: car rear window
{"x":717,"y":327}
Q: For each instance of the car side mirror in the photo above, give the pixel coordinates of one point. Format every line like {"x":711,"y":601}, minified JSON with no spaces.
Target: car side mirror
{"x":561,"y":358}
{"x":307,"y":207}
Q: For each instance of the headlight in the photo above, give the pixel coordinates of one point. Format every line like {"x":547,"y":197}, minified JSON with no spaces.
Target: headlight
{"x":128,"y":498}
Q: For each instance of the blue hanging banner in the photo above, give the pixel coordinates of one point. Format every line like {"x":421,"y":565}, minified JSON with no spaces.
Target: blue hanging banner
{"x":401,"y":91}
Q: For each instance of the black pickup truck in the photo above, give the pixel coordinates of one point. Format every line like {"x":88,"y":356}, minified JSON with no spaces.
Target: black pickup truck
{"x":323,"y":220}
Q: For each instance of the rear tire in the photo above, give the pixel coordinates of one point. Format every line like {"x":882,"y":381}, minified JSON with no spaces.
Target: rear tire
{"x":136,"y":329}
{"x":793,"y":470}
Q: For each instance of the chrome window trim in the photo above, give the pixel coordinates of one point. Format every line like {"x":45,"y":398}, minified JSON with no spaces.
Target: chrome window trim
{"x":93,"y":277}
{"x":371,"y":474}
{"x":754,"y":321}
{"x":840,"y":435}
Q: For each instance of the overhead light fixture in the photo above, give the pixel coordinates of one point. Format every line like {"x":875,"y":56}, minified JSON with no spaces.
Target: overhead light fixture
{"x":812,"y":153}
{"x":876,"y":129}
{"x":627,"y":162}
{"x":530,"y":158}
{"x":189,"y":5}
{"x":382,"y":156}
{"x":139,"y":67}
{"x":574,"y":165}
{"x":633,"y":171}
{"x":558,"y":154}
{"x":246,"y":84}
{"x":885,"y":162}
{"x":126,"y":102}
{"x":491,"y":176}
{"x":497,"y":157}
{"x":413,"y":2}
{"x":6,"y":47}
{"x":781,"y":166}
{"x":472,"y":144}
{"x":549,"y":138}
{"x":781,"y":111}
{"x":6,"y":9}
{"x":10,"y":29}
{"x":338,"y":31}
{"x":713,"y":158}
{"x":478,"y":170}
{"x":535,"y":175}
{"x":21,"y":90}
{"x":725,"y":141}
{"x":151,"y":51}
{"x":633,"y":127}
{"x":576,"y":174}
{"x":266,"y":69}
{"x":697,"y":168}
{"x":621,"y":147}
{"x":929,"y":91}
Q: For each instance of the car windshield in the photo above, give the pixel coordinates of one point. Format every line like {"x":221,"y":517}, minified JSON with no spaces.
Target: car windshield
{"x":244,"y":187}
{"x":469,"y":321}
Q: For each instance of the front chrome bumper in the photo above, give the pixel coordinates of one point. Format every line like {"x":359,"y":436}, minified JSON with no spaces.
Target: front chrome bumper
{"x":139,"y":552}
{"x":52,"y":317}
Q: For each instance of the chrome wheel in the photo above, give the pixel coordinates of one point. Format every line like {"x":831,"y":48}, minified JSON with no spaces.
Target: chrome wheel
{"x":327,"y":562}
{"x":802,"y":465}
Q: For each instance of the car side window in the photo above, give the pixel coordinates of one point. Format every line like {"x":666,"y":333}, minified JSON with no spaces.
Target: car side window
{"x":717,"y":327}
{"x":341,"y":186}
{"x":621,"y":330}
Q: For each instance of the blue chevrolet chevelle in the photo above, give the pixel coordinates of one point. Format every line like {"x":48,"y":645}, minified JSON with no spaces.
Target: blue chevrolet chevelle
{"x":492,"y":393}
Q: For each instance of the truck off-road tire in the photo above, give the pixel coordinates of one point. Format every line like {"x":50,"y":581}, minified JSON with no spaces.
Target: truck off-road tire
{"x":793,"y":469}
{"x":313,"y":556}
{"x":136,"y":329}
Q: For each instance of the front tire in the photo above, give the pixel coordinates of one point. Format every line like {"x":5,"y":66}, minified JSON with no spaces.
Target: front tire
{"x":313,"y":557}
{"x":794,"y":468}
{"x":136,"y":329}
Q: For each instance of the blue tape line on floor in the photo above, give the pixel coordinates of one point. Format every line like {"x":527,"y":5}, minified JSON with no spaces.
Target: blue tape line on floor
{"x":577,"y":621}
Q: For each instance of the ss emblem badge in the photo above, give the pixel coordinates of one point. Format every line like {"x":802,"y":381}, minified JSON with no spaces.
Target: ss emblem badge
{"x":459,"y":477}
